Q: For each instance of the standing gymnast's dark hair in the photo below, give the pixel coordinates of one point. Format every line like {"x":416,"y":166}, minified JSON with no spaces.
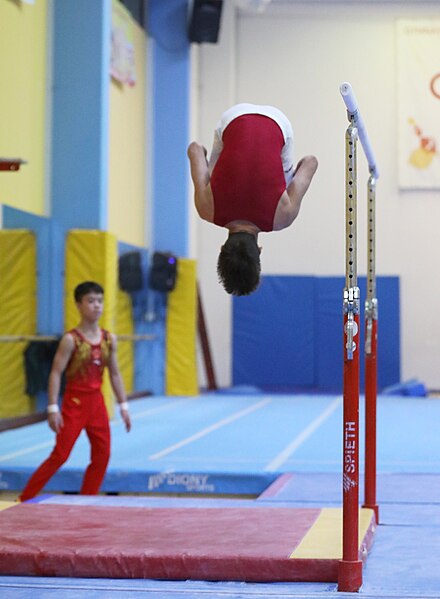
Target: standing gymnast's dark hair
{"x":86,"y":287}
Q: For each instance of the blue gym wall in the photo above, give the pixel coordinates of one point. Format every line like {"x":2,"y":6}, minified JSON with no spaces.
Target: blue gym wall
{"x":288,"y":334}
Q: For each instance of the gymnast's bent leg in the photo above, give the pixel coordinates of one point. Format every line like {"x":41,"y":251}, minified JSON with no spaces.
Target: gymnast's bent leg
{"x":98,"y":432}
{"x":65,"y":440}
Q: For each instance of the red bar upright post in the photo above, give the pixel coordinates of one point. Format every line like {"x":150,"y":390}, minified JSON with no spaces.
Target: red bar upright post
{"x":11,"y":164}
{"x":206,"y":348}
{"x":350,"y":567}
{"x":371,"y":313}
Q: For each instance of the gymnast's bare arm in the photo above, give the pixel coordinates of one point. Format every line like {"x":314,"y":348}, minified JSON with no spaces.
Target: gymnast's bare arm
{"x":200,"y":175}
{"x":60,"y":361}
{"x":290,"y":201}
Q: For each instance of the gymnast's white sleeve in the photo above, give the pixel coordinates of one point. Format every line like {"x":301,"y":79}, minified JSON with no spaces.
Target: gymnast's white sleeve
{"x":287,"y":160}
{"x":217,"y":147}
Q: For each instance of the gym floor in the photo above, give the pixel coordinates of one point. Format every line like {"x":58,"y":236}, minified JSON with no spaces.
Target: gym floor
{"x":227,"y":448}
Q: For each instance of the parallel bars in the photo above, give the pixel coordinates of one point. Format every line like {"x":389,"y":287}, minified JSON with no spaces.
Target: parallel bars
{"x":350,"y":568}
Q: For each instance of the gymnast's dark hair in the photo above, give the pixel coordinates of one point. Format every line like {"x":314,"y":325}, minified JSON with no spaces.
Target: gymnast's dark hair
{"x":238,"y":265}
{"x":87,"y":287}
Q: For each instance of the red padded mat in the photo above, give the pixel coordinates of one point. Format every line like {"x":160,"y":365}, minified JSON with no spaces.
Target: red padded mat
{"x":251,"y":544}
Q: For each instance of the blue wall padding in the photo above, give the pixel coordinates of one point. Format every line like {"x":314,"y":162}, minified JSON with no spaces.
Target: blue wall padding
{"x":328,"y":326}
{"x":273,"y":333}
{"x":388,"y":293}
{"x":289,"y":333}
{"x":411,"y":388}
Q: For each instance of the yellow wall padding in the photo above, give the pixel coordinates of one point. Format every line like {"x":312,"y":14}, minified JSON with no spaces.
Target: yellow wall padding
{"x":92,"y":256}
{"x":124,"y":326}
{"x":23,"y":68}
{"x":17,"y":316}
{"x":181,"y":327}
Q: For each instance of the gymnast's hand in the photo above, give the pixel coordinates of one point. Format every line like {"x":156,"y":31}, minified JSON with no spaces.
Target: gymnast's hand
{"x":55,"y":421}
{"x":196,"y":148}
{"x":126,"y":418}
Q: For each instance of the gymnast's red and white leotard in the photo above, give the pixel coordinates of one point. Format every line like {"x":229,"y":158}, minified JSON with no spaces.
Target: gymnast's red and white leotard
{"x":251,"y":164}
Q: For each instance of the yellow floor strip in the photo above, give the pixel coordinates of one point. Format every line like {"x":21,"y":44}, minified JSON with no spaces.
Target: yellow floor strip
{"x":5,"y":504}
{"x":324,"y":539}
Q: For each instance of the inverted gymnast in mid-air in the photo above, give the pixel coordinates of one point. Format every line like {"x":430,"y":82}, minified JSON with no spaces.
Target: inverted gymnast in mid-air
{"x":249,"y":185}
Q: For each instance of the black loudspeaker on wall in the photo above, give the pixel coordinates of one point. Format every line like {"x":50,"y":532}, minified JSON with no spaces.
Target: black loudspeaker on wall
{"x":163,"y":273}
{"x":130,"y":272}
{"x":204,"y":23}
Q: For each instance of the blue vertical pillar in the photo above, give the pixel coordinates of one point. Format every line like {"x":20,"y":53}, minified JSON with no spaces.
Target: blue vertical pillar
{"x":170,"y":92}
{"x":80,"y":126}
{"x":81,"y":112}
{"x":171,"y":89}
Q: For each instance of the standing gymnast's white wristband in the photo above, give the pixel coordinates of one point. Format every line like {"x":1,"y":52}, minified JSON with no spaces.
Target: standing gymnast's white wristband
{"x":53,"y":408}
{"x":123,"y":406}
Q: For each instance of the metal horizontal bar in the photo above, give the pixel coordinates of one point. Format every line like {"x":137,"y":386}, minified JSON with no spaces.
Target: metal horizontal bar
{"x":354,"y":113}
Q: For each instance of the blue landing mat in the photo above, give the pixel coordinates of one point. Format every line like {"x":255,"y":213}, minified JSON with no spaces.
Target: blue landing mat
{"x":117,"y":481}
{"x":391,"y":488}
{"x":427,"y":516}
{"x":231,"y":444}
{"x":408,"y":514}
{"x":68,"y":588}
{"x":151,"y":502}
{"x":221,"y":444}
{"x":404,"y":563}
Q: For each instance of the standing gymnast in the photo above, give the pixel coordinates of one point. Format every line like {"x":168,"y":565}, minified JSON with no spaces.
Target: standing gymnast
{"x":249,"y":185}
{"x":83,"y":354}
